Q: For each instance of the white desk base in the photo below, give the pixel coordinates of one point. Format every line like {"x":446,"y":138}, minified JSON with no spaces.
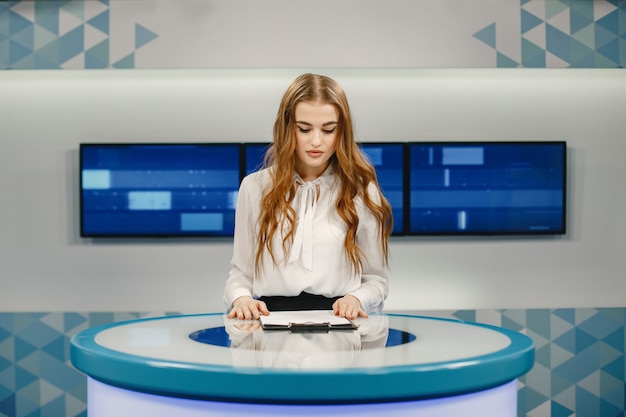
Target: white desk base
{"x":106,"y":401}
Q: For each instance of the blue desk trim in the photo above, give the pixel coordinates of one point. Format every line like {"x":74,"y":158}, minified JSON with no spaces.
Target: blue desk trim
{"x":352,"y":385}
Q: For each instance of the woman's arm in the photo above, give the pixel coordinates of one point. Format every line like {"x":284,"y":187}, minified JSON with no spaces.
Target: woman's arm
{"x":375,"y":270}
{"x":239,"y":281}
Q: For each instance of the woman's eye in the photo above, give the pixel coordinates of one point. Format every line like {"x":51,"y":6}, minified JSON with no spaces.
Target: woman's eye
{"x":304,"y":130}
{"x":328,"y":132}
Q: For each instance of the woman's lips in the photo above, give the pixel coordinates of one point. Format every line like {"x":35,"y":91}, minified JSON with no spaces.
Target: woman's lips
{"x":315,"y":154}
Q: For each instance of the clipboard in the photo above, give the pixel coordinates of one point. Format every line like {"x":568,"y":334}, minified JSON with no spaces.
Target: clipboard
{"x":306,"y":321}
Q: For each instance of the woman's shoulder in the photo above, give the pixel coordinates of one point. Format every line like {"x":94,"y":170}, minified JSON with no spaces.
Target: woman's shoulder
{"x":257,"y":179}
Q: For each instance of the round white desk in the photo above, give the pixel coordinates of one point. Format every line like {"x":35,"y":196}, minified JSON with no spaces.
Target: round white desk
{"x":208,"y":365}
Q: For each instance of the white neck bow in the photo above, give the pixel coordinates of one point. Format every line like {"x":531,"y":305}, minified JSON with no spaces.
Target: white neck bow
{"x":306,"y":200}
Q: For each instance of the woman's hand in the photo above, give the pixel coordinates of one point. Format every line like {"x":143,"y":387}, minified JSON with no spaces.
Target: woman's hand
{"x":247,"y":308}
{"x":349,"y":307}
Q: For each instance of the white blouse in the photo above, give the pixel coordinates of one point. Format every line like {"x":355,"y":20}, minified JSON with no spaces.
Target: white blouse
{"x":316,"y":262}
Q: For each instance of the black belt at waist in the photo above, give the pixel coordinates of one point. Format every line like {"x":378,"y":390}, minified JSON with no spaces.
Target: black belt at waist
{"x":303,"y":301}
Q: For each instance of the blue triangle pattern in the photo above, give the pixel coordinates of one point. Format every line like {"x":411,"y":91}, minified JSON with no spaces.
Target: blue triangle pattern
{"x":465,"y":315}
{"x":615,"y":339}
{"x":4,"y":334}
{"x":543,"y":355}
{"x":533,"y":56}
{"x":503,"y":61}
{"x":557,"y":410}
{"x":47,"y":15}
{"x":610,"y":22}
{"x":71,"y":44}
{"x":574,"y":340}
{"x":538,"y":320}
{"x":487,"y":35}
{"x":615,"y":314}
{"x":22,"y":349}
{"x":23,"y":378}
{"x":530,"y":398}
{"x":583,"y":364}
{"x":4,"y":54}
{"x":611,"y":391}
{"x":17,"y":52}
{"x":599,"y":326}
{"x":7,"y":405}
{"x":616,"y":368}
{"x":17,"y":23}
{"x":58,"y":373}
{"x":56,"y":348}
{"x":25,"y":38}
{"x":101,"y":22}
{"x":48,"y":53}
{"x":602,"y":36}
{"x":97,"y":57}
{"x":511,"y":324}
{"x":578,"y":21}
{"x":26,"y":400}
{"x":567,"y":314}
{"x":38,"y":334}
{"x":529,"y":21}
{"x":586,"y":403}
{"x":126,"y":62}
{"x":583,"y":8}
{"x":143,"y":36}
{"x":4,"y":23}
{"x":55,"y":407}
{"x":71,"y":320}
{"x":611,"y":51}
{"x":608,"y":409}
{"x":4,"y":364}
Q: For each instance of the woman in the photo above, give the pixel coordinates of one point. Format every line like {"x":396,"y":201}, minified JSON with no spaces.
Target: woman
{"x":311,"y":229}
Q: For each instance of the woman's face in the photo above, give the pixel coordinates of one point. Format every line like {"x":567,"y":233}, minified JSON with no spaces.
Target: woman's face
{"x":316,"y":137}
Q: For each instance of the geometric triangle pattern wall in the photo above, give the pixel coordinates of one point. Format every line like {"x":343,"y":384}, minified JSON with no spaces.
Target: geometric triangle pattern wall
{"x":565,"y":34}
{"x":579,"y":368}
{"x":36,"y":375}
{"x":579,"y":360}
{"x":78,"y":34}
{"x":63,"y":35}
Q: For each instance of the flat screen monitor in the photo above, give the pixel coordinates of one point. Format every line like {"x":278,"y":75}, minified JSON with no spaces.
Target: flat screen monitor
{"x":158,"y":190}
{"x":491,"y":188}
{"x":388,"y":160}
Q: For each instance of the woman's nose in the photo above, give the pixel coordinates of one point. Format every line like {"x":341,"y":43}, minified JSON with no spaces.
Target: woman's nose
{"x":316,"y":139}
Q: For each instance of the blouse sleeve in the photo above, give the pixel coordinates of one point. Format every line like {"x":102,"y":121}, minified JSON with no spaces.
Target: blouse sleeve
{"x":375,"y":273}
{"x":239,"y":281}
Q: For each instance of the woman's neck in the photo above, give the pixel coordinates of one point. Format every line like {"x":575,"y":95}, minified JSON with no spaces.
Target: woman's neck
{"x":311,"y":174}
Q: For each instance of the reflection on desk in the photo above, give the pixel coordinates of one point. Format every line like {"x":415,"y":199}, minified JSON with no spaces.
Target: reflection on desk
{"x":252,"y":346}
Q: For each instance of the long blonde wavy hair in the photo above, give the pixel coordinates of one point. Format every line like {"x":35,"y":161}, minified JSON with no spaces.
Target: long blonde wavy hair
{"x":352,"y":169}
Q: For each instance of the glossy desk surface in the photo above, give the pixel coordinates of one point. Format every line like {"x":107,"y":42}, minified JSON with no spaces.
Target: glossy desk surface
{"x":390,"y":357}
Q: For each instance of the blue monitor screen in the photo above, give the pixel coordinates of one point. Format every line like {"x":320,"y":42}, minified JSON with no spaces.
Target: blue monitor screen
{"x":254,"y":154}
{"x":388,"y":160}
{"x":146,"y":190}
{"x":487,"y":188}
